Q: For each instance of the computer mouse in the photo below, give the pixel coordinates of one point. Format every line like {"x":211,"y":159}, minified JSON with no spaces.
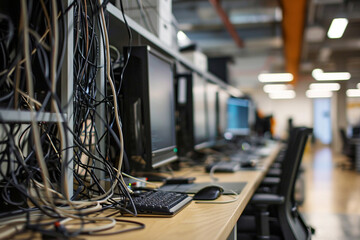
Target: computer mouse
{"x":209,"y":193}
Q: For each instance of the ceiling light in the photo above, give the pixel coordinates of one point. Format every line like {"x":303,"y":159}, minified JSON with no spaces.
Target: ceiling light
{"x":325,"y":86}
{"x":275,"y":77}
{"x":182,"y":39}
{"x":353,"y":92}
{"x":320,"y":75}
{"x":358,"y":85}
{"x":318,"y":94}
{"x":286,"y":94}
{"x":337,"y":27}
{"x":268,"y":88}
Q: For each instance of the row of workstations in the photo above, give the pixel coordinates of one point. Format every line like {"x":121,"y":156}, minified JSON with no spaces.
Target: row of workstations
{"x":170,"y":111}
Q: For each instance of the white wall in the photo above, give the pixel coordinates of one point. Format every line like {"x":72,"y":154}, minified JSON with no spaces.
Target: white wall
{"x":353,"y":111}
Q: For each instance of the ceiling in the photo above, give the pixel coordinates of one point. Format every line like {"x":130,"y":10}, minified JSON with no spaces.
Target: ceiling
{"x":257,"y":22}
{"x":261,"y":24}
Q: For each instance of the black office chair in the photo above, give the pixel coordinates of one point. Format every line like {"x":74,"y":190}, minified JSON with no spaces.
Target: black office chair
{"x":289,"y":223}
{"x":272,"y":178}
{"x":348,"y":149}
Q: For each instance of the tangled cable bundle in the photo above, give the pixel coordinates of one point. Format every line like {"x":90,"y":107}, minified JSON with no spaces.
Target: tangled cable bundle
{"x":53,"y":173}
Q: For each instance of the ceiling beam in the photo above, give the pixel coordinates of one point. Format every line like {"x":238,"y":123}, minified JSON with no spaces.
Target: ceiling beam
{"x":293,"y":28}
{"x":229,"y":26}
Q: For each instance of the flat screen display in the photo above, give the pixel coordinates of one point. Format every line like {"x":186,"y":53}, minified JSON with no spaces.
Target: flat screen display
{"x":199,"y":110}
{"x":211,"y":92}
{"x":161,"y":94}
{"x":223,"y":97}
{"x":238,"y":116}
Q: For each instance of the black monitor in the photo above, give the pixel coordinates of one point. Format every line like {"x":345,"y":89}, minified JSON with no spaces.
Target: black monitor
{"x":221,"y":110}
{"x":211,"y":94}
{"x":252,"y":115}
{"x":184,"y":113}
{"x":201,"y":137}
{"x":148,"y":111}
{"x":238,"y":117}
{"x":197,"y":112}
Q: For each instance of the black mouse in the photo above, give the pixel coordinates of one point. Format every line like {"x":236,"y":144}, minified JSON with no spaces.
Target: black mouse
{"x":209,"y":193}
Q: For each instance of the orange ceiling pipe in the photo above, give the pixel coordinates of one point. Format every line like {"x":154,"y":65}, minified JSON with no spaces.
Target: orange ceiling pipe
{"x":229,"y":26}
{"x":293,"y":28}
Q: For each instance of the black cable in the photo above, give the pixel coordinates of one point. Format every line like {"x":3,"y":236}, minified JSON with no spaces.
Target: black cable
{"x":129,"y":46}
{"x":23,"y":169}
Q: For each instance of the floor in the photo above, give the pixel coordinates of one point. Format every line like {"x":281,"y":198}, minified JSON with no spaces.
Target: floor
{"x":332,"y":195}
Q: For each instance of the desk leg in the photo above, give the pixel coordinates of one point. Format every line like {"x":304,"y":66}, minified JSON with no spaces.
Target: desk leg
{"x":233,"y":234}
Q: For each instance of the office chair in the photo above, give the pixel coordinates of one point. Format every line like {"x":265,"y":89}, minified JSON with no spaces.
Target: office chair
{"x":272,"y":179}
{"x":348,"y":149}
{"x":289,"y":222}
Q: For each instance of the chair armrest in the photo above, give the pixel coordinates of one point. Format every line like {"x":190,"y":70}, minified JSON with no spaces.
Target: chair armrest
{"x":270,"y":181}
{"x":266,"y":199}
{"x":275,"y":165}
{"x":274,"y":172}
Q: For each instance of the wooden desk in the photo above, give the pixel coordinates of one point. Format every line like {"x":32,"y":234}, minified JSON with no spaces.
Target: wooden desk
{"x":202,"y":221}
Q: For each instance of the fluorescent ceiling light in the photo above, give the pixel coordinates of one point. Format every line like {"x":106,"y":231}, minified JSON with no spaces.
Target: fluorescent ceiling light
{"x":353,"y":92}
{"x":318,"y":94}
{"x":275,"y":77}
{"x":320,"y":75}
{"x":268,"y":88}
{"x":325,"y":86}
{"x":286,"y":94}
{"x":182,"y":39}
{"x":337,"y":27}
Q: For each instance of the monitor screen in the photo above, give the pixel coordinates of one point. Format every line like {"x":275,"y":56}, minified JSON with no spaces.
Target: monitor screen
{"x":199,"y":111}
{"x":211,"y":92}
{"x":252,"y":115}
{"x":222,"y":99}
{"x":238,"y":116}
{"x":148,"y":109}
{"x":162,"y":113}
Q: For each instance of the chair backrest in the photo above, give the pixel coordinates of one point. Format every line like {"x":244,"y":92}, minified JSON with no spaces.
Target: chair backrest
{"x":344,"y":137}
{"x":291,"y":223}
{"x":348,"y":149}
{"x":288,"y":160}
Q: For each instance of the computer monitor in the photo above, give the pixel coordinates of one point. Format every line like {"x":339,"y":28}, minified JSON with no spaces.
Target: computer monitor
{"x":184,"y":112}
{"x":199,"y":112}
{"x":238,"y":117}
{"x":252,"y":115}
{"x":211,"y":94}
{"x":221,"y":110}
{"x":148,"y":110}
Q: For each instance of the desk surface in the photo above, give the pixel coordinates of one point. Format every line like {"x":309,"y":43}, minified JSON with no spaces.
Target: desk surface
{"x":201,"y":221}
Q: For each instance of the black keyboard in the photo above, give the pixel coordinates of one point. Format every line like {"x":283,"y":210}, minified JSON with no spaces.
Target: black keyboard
{"x":152,"y":203}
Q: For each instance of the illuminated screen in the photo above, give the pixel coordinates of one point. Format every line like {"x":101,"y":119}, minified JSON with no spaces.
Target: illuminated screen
{"x":238,"y":116}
